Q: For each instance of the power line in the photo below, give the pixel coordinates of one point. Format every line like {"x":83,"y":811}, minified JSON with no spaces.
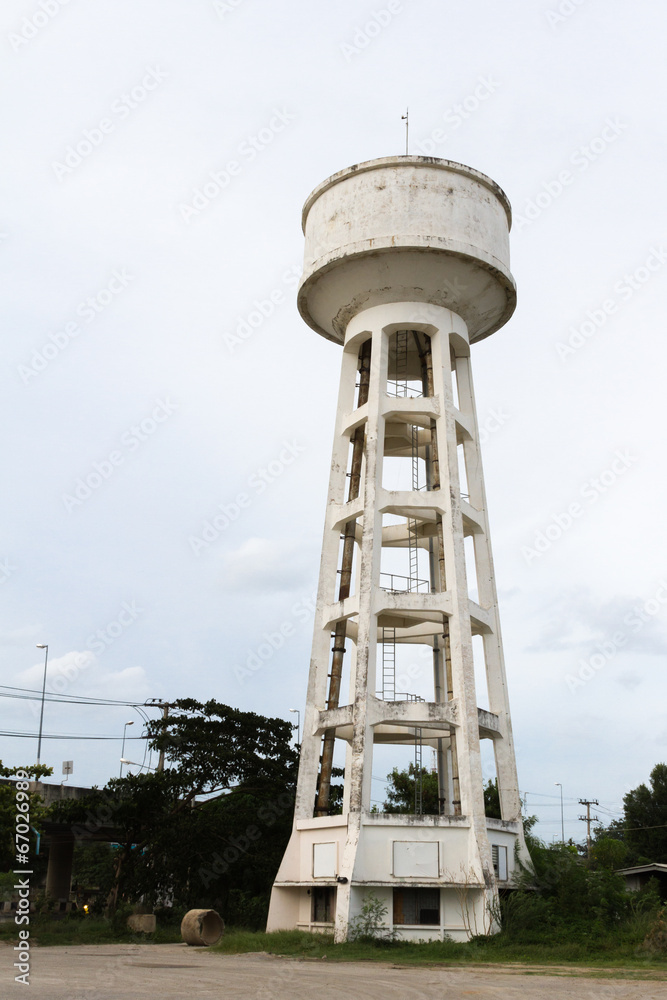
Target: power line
{"x":72,"y":700}
{"x":628,"y":829}
{"x":65,"y":736}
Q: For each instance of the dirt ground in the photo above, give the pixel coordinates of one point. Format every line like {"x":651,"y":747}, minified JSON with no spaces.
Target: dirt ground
{"x":116,"y":972}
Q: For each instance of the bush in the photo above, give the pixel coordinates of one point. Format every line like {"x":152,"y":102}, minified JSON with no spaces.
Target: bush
{"x":655,"y":941}
{"x":560,"y":898}
{"x":370,"y":925}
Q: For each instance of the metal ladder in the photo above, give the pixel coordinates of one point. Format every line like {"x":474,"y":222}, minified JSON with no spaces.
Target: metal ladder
{"x":419,"y":774}
{"x":388,"y":664}
{"x":413,"y":534}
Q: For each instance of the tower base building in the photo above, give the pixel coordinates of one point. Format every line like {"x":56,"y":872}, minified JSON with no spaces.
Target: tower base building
{"x":406,"y":265}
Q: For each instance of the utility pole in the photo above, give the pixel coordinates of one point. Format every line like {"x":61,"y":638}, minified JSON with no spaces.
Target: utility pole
{"x":165,"y":705}
{"x":165,"y":713}
{"x":588,"y":819}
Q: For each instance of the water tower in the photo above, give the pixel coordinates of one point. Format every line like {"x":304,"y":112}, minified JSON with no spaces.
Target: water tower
{"x":406,"y":265}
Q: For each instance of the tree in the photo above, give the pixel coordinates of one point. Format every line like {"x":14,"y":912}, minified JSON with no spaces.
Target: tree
{"x":559,"y":897}
{"x":492,"y":799}
{"x":8,"y":810}
{"x":401,"y":793}
{"x":216,"y":819}
{"x":644,"y":825}
{"x":215,"y":747}
{"x":607,"y":852}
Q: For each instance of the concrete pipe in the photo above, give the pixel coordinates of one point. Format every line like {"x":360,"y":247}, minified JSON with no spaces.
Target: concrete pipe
{"x":202,"y":927}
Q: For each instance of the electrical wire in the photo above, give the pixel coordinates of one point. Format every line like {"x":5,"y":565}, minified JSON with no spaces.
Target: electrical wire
{"x":65,"y":736}
{"x":71,"y":700}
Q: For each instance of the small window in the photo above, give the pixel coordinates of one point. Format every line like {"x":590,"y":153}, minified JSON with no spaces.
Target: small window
{"x":324,"y":900}
{"x":324,"y":860}
{"x":416,"y":859}
{"x":417,"y":906}
{"x":499,"y":857}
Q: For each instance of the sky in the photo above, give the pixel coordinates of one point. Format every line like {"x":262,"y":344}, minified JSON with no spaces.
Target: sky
{"x":167,"y":416}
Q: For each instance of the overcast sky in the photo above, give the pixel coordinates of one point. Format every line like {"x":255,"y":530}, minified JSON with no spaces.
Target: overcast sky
{"x":158,"y":155}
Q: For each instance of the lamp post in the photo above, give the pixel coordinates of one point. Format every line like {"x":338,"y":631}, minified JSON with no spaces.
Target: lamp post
{"x":134,"y":763}
{"x":122,"y":752}
{"x":562,"y":823}
{"x":298,"y":724}
{"x":41,"y":645}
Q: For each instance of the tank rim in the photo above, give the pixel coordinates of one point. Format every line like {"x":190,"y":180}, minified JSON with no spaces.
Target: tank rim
{"x":407,"y":161}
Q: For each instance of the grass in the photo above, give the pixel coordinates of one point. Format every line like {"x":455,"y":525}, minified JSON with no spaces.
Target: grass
{"x":84,"y":930}
{"x":602,"y":955}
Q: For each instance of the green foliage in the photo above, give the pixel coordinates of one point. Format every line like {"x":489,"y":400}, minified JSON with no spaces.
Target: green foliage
{"x":647,"y":899}
{"x":7,"y":880}
{"x":370,"y":925}
{"x":655,"y":941}
{"x":214,"y":746}
{"x":606,"y":852}
{"x":645,"y":819}
{"x":618,"y":949}
{"x":8,"y":810}
{"x":492,"y":799}
{"x":401,"y":791}
{"x":93,"y":868}
{"x":78,"y":928}
{"x":175,"y":846}
{"x":561,"y":898}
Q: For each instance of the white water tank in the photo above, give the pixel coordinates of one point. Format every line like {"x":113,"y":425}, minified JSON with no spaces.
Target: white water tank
{"x":411,"y":229}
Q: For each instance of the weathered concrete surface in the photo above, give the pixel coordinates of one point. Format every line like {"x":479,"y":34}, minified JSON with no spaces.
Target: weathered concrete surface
{"x":142,"y":923}
{"x":116,"y":972}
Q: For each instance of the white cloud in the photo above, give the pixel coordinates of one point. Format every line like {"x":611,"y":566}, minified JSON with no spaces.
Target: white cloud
{"x":264,"y":565}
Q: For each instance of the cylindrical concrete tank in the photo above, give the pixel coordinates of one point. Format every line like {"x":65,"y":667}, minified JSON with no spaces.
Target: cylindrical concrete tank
{"x":202,"y":927}
{"x":411,"y":229}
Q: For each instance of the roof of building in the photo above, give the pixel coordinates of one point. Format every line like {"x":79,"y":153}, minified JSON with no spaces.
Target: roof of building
{"x":655,"y":867}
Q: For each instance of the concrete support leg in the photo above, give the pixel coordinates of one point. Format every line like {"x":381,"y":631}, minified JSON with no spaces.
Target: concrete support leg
{"x":59,"y":871}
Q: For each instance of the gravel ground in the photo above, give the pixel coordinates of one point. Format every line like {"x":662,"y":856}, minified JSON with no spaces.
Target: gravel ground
{"x":116,"y":972}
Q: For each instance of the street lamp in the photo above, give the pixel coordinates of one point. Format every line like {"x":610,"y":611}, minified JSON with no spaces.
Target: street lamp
{"x":298,"y":725}
{"x":134,"y":763}
{"x":41,"y":714}
{"x":562,"y":824}
{"x":122,"y":752}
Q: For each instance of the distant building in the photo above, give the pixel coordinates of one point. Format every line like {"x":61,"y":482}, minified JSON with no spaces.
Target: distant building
{"x":637,"y":877}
